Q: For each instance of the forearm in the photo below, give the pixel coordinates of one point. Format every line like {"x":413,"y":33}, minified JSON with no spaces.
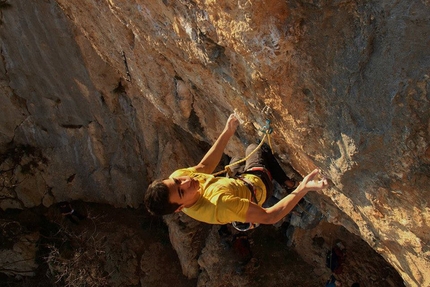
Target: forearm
{"x":211,"y":159}
{"x":285,"y":206}
{"x":273,"y":214}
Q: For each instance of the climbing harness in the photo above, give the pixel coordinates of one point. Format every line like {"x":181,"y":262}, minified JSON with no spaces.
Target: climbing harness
{"x":245,"y":226}
{"x":250,"y":187}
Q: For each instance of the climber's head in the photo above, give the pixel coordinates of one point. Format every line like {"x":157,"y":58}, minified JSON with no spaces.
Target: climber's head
{"x":157,"y":201}
{"x":171,"y":195}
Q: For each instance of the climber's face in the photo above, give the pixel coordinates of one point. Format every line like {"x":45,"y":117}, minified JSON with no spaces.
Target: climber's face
{"x":183,"y":190}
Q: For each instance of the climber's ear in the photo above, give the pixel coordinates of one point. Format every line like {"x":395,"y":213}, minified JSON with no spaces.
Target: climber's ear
{"x":179,"y":209}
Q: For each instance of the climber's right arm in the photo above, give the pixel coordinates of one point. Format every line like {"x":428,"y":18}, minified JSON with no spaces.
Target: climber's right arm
{"x":212,"y":158}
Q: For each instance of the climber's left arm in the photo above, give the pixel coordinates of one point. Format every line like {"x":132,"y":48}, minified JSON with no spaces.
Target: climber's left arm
{"x":273,"y":214}
{"x":212,"y":158}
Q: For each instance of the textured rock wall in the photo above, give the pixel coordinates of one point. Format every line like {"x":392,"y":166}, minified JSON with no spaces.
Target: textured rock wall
{"x":100,"y":97}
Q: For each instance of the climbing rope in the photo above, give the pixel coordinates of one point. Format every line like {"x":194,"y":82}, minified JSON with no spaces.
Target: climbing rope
{"x":267,"y":130}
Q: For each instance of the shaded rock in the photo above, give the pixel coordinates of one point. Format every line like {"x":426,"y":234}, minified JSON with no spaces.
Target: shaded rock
{"x":20,"y":260}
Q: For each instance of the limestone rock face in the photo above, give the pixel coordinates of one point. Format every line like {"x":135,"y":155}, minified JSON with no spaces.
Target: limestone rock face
{"x":99,"y":98}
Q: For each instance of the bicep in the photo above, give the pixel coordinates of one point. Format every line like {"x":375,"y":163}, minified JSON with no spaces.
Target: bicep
{"x":257,"y":214}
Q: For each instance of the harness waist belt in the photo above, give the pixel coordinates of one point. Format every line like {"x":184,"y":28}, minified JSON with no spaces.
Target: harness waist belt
{"x":260,"y":168}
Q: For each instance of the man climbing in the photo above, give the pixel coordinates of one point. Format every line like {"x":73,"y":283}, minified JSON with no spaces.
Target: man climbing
{"x":221,"y":200}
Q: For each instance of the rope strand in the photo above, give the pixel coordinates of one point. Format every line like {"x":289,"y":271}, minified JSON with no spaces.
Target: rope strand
{"x":227,"y":167}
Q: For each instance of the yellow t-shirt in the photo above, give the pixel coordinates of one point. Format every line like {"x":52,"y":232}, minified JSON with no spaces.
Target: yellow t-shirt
{"x":223,"y":200}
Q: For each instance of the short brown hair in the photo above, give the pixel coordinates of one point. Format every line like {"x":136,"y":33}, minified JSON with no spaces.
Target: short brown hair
{"x":157,"y":200}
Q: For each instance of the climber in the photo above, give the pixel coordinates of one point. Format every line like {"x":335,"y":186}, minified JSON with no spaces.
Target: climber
{"x":222,"y":200}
